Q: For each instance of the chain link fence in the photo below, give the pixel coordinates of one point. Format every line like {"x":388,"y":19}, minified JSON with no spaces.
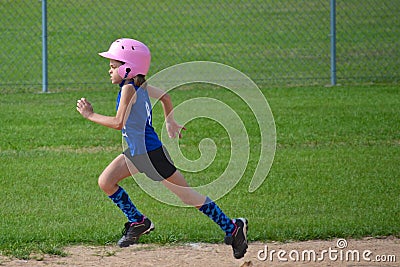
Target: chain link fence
{"x":276,"y":43}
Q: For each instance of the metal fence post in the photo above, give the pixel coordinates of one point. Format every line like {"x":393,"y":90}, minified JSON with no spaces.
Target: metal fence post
{"x":333,"y":42}
{"x":44,"y":47}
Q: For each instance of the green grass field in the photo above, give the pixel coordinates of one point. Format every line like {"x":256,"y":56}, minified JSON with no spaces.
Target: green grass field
{"x":336,"y":170}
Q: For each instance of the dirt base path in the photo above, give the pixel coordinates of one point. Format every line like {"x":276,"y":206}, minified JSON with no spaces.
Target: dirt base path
{"x":338,"y":252}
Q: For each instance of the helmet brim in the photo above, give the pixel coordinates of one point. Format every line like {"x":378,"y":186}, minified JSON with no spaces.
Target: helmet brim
{"x":109,"y":55}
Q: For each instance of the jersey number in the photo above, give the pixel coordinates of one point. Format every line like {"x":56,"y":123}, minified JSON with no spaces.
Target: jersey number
{"x":148,"y":113}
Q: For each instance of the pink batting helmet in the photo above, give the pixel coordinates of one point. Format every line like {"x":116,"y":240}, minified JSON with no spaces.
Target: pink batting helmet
{"x":133,"y":53}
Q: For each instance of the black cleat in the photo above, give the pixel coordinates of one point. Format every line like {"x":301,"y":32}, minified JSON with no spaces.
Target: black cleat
{"x":133,"y":231}
{"x":238,"y":239}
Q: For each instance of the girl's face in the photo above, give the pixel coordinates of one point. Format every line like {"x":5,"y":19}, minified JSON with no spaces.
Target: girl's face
{"x":114,"y":76}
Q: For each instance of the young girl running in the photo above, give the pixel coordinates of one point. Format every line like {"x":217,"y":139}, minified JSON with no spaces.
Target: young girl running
{"x":129,"y":63}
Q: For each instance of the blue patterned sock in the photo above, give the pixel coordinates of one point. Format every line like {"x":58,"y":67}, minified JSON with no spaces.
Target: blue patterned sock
{"x":218,"y":216}
{"x":122,"y":200}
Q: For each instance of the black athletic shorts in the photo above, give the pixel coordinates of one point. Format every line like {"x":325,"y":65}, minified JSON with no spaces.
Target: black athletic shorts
{"x":156,"y":164}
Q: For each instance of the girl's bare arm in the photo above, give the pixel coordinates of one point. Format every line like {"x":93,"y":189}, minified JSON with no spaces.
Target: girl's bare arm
{"x":128,"y":97}
{"x":173,"y":127}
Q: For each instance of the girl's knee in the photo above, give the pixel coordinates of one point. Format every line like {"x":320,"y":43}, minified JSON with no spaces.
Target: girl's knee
{"x":103,"y":183}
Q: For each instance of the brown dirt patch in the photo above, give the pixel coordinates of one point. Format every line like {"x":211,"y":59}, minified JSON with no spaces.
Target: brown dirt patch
{"x":380,"y":252}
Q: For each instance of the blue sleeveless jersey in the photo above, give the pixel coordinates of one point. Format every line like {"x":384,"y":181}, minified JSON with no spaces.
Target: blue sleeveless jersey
{"x":138,"y":130}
